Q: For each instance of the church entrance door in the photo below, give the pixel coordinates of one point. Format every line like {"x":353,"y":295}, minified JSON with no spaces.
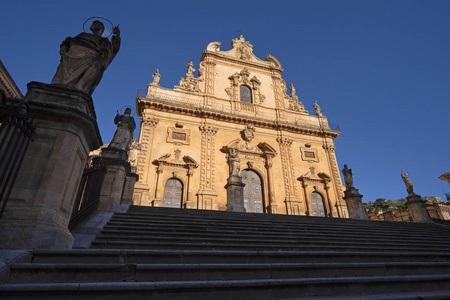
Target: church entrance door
{"x":253,"y":196}
{"x":173,"y":193}
{"x":317,"y":204}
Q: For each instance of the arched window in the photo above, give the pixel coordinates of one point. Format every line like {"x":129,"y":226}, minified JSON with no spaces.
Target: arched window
{"x":246,"y":94}
{"x":253,"y":192}
{"x":173,"y":193}
{"x":317,"y":204}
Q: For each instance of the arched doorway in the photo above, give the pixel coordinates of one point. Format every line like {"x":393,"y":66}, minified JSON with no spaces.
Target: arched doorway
{"x":253,"y":192}
{"x":173,"y":193}
{"x":317,"y":204}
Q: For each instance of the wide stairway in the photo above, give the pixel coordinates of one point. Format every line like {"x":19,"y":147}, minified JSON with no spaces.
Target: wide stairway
{"x":162,"y":253}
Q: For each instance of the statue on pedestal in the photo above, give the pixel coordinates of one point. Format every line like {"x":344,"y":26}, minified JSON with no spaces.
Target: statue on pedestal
{"x":125,"y":129}
{"x":235,"y":162}
{"x":85,"y":57}
{"x":348,"y":177}
{"x":408,"y":183}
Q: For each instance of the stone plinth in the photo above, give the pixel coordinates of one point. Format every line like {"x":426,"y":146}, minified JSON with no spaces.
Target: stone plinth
{"x":235,"y":194}
{"x":417,"y":209}
{"x":117,"y":169}
{"x":40,"y":205}
{"x":128,"y":190}
{"x":355,"y":208}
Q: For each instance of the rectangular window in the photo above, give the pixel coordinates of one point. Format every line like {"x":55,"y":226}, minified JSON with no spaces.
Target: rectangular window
{"x":310,"y":154}
{"x":179,"y":136}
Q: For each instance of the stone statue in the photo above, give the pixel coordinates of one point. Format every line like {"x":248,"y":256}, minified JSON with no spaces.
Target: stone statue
{"x":85,"y":57}
{"x":348,"y":177}
{"x":125,"y":129}
{"x":190,"y":70}
{"x":408,"y":183}
{"x":292,"y":89}
{"x":317,"y":109}
{"x":133,"y":152}
{"x":156,"y":77}
{"x":235,"y":162}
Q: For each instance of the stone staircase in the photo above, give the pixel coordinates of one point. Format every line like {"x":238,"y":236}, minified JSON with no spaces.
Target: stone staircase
{"x":162,"y":253}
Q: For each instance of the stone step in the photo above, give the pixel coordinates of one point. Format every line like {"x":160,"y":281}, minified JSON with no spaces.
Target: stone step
{"x":119,"y":230}
{"x":123,"y":243}
{"x":77,"y":273}
{"x":272,"y":218}
{"x":230,"y":289}
{"x":258,"y":241}
{"x":241,"y":225}
{"x":137,"y":256}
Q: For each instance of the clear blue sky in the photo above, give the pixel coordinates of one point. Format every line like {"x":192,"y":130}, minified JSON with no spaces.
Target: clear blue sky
{"x":379,"y":69}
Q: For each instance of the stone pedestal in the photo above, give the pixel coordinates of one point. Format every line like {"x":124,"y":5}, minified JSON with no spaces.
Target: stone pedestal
{"x":40,"y":205}
{"x":117,"y":169}
{"x":130,"y":181}
{"x":355,"y":208}
{"x":235,"y":194}
{"x":417,"y":209}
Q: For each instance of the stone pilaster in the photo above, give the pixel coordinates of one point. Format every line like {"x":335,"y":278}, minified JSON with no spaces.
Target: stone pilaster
{"x":273,"y":209}
{"x":293,"y":201}
{"x":207,"y":196}
{"x":148,"y":125}
{"x":235,"y":194}
{"x":417,"y":209}
{"x":355,"y":208}
{"x":40,"y":205}
{"x":336,"y":177}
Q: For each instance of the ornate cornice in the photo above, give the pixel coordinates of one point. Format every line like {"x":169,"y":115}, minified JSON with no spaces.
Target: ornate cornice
{"x":144,"y":103}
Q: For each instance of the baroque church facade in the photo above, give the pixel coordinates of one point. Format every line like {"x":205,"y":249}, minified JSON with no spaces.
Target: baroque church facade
{"x":238,"y":103}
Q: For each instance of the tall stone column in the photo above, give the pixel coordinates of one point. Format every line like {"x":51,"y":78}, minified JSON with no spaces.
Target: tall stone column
{"x":41,"y":202}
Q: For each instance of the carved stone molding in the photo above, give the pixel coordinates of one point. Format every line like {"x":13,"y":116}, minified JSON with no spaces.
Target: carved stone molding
{"x":149,"y":121}
{"x":208,"y":129}
{"x":189,"y":84}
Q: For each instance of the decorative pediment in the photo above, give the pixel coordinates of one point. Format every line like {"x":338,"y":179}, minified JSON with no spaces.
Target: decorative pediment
{"x":186,"y":162}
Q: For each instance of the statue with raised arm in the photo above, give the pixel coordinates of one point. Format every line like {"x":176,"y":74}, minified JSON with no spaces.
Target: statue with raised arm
{"x":85,"y":57}
{"x":408,"y":183}
{"x":348,"y":177}
{"x":125,"y":129}
{"x":235,"y":162}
